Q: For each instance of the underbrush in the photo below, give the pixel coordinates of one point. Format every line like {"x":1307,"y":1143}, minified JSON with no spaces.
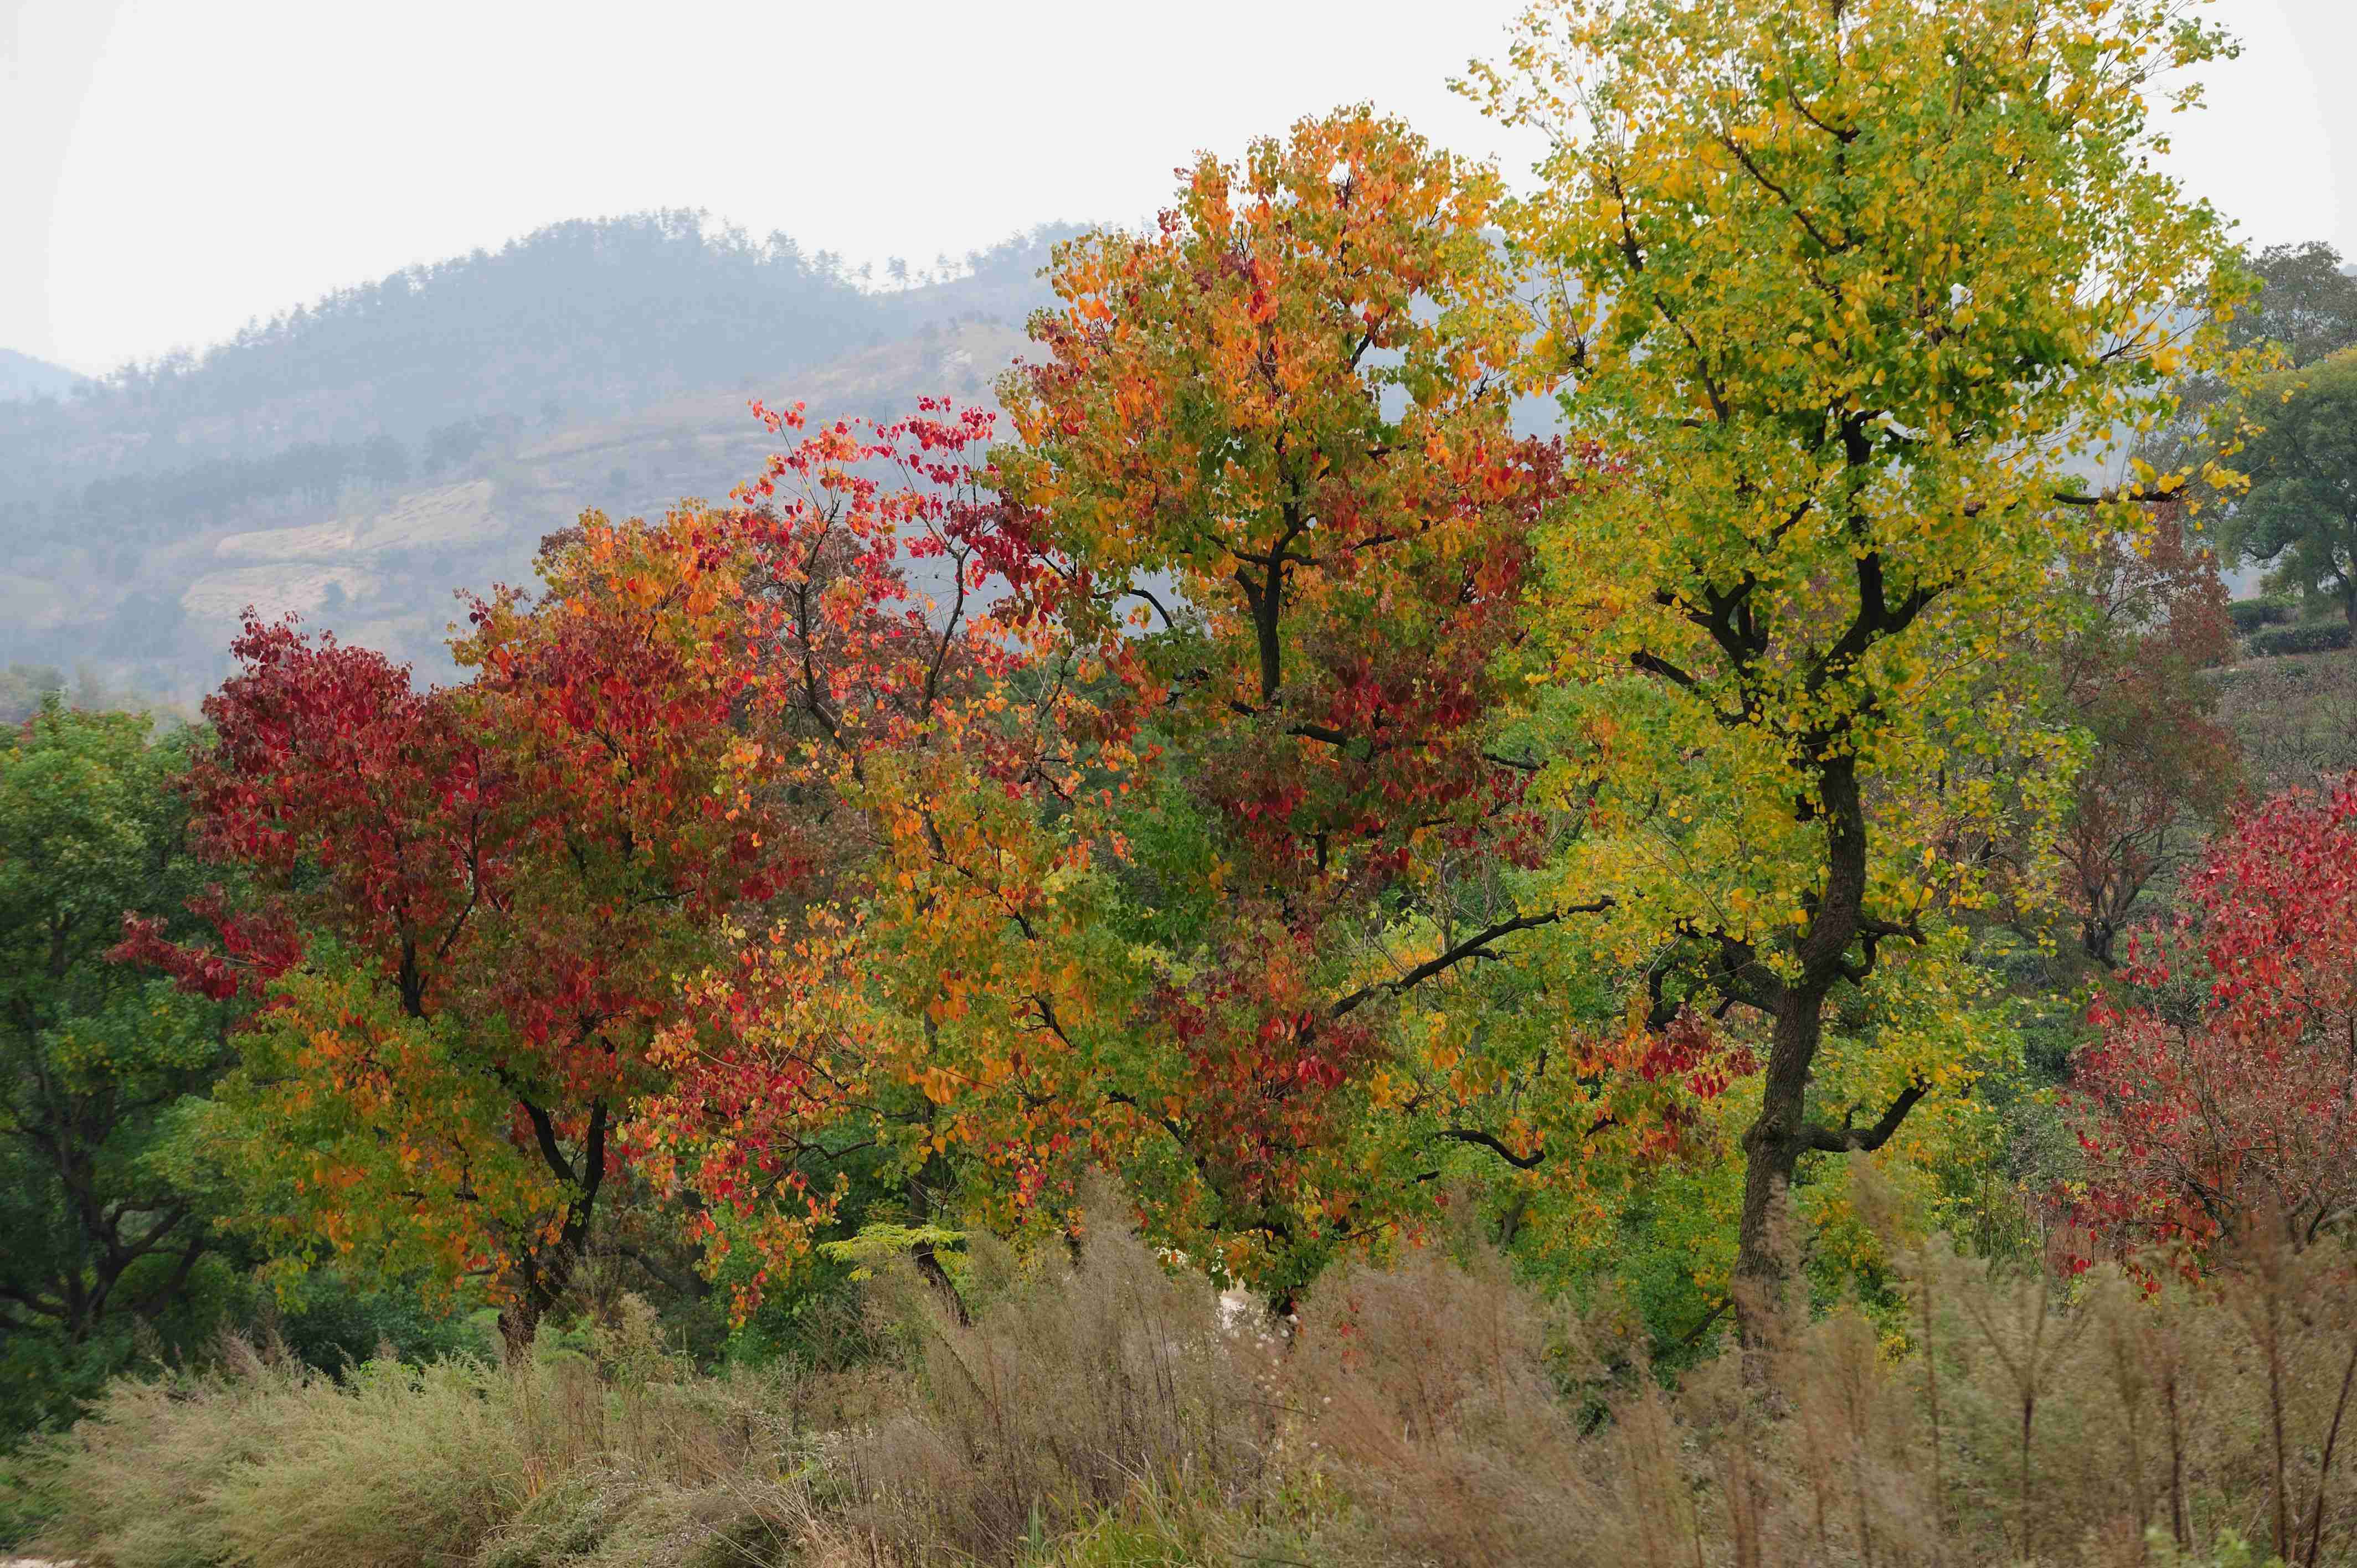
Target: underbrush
{"x":1096,"y":1409}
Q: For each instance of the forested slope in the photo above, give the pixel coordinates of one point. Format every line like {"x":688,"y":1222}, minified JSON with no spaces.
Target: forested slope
{"x":354,"y":459}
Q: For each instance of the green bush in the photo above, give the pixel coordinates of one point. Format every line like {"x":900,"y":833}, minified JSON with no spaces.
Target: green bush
{"x":2317,"y":637}
{"x":2250,"y":614}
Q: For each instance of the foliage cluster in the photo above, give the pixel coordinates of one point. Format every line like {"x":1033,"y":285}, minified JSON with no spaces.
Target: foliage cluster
{"x":2271,"y":609}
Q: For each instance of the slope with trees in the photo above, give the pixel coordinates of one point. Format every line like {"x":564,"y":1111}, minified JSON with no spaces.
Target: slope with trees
{"x":357,"y":457}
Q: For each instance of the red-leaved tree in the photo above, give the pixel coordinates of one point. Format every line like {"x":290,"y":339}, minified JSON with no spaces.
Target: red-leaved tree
{"x":467,"y":907}
{"x":2225,"y":1093}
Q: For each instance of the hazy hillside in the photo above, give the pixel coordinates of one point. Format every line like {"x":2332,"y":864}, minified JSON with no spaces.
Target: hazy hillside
{"x":22,"y":376}
{"x":358,"y":458}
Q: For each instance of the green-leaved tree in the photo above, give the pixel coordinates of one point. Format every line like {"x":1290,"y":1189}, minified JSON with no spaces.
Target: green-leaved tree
{"x":1846,"y":285}
{"x":2299,"y":452}
{"x":93,"y":1054}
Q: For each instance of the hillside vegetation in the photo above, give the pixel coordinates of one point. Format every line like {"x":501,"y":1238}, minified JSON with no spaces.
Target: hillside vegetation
{"x":22,"y":376}
{"x":354,"y":459}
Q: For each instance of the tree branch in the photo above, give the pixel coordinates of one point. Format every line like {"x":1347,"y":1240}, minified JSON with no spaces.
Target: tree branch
{"x":1498,"y":1146}
{"x":1474,"y":946}
{"x":1846,"y":1139}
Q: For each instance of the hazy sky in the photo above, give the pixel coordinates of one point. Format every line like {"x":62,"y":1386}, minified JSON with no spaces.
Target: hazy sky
{"x":171,"y":169}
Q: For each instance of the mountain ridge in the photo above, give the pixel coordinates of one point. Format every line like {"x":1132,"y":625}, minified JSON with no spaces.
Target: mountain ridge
{"x":24,"y":376}
{"x":360,"y":459}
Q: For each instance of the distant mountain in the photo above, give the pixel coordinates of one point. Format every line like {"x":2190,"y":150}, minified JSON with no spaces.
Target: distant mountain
{"x":357,"y":460}
{"x":21,"y":375}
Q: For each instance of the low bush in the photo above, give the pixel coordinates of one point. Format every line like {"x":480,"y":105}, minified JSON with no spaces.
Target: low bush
{"x":2250,"y":614}
{"x":2266,"y":612}
{"x":620,"y":1455}
{"x":2316,"y":637}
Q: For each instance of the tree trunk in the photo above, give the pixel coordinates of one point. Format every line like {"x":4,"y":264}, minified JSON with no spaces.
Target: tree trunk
{"x":1771,"y":1152}
{"x":545,"y":1279}
{"x":519,"y":1326}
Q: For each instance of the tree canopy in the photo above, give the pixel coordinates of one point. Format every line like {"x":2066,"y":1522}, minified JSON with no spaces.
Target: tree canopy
{"x":94,"y":1056}
{"x":1847,"y":285}
{"x":1250,"y":764}
{"x":2299,"y":516}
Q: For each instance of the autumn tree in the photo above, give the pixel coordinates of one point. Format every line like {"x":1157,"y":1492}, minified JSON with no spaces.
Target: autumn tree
{"x":471,"y":904}
{"x":2221,"y":1092}
{"x":1845,"y":284}
{"x":1271,"y":435}
{"x":2145,"y":617}
{"x":907,"y":708}
{"x":1174,"y":799}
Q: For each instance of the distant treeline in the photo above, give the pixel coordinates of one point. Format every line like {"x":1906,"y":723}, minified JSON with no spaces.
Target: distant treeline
{"x":129,"y":513}
{"x":587,"y":315}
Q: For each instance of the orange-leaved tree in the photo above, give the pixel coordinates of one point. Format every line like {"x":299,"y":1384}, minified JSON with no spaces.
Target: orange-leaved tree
{"x":916,"y":712}
{"x":1270,"y":443}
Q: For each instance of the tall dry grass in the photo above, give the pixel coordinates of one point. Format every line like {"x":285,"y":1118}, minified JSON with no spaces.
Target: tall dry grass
{"x":260,"y":1459}
{"x":1098,"y":1377}
{"x":1095,"y":1409}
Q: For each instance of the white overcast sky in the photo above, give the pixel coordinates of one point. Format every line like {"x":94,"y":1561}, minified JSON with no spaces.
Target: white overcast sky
{"x":172,"y":168}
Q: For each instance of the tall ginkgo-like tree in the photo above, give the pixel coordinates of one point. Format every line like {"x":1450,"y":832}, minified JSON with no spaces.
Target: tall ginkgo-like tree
{"x":1845,"y":285}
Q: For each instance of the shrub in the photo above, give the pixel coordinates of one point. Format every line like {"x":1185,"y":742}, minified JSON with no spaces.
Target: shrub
{"x":395,"y":1464}
{"x":616,"y":1457}
{"x":142,"y":1474}
{"x":2316,"y":637}
{"x":2250,"y":614}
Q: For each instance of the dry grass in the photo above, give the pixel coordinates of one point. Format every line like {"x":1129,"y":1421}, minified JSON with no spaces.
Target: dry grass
{"x":264,"y":1461}
{"x":1097,"y":1410}
{"x":1097,"y":1377}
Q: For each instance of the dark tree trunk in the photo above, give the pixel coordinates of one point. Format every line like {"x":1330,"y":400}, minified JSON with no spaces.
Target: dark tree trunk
{"x":547,"y":1276}
{"x":1772,"y":1154}
{"x":519,"y":1325}
{"x":1783,"y":1132}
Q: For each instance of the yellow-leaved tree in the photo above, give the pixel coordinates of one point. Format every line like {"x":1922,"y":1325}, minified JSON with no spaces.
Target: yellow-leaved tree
{"x":1858,"y":291}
